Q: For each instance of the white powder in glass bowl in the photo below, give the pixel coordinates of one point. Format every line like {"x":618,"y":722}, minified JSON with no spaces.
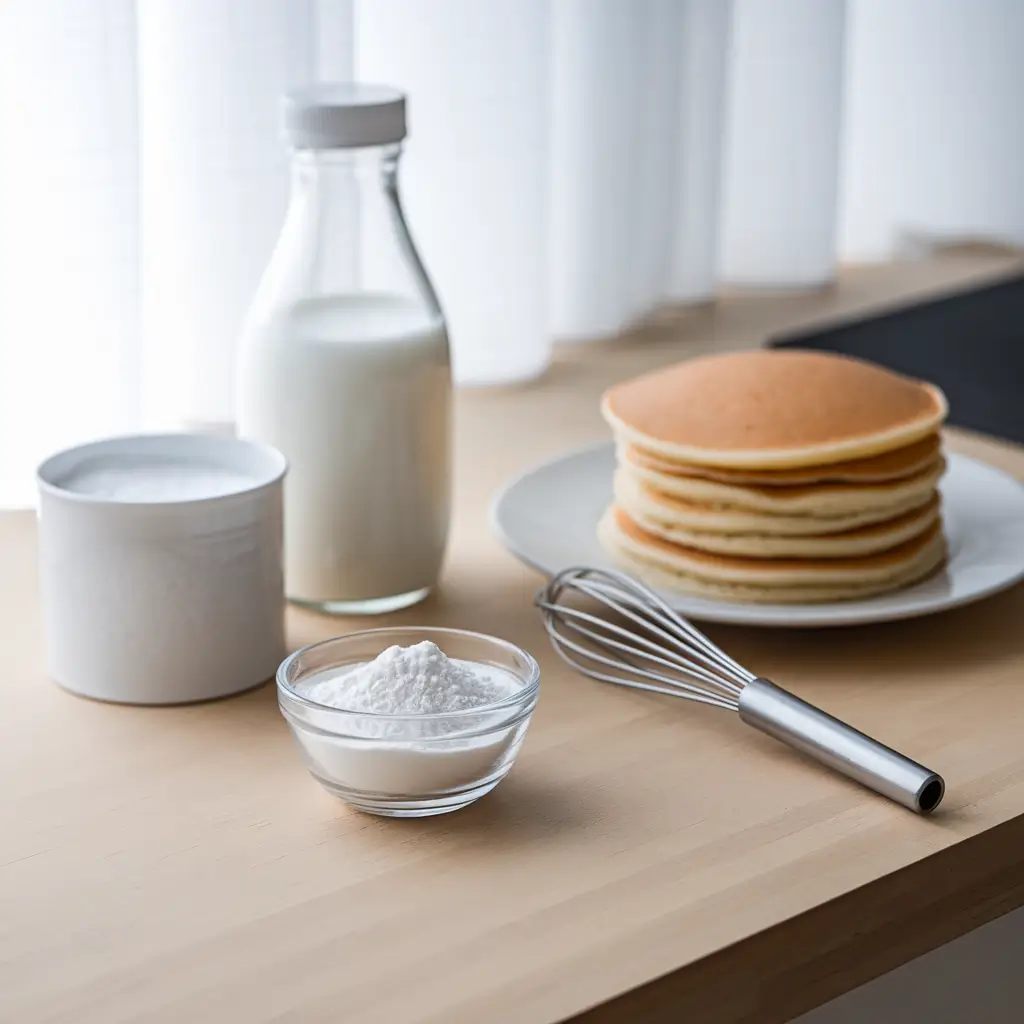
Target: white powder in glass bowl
{"x":417,"y":680}
{"x":412,"y":757}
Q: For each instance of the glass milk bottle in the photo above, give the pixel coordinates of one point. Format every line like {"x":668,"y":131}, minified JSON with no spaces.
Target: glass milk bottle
{"x":344,"y":364}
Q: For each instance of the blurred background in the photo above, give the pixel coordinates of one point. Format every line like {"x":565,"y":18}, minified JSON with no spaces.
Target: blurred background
{"x":573,"y":168}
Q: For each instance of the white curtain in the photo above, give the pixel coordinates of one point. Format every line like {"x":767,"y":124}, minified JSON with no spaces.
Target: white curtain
{"x":213,"y":175}
{"x":573,"y":165}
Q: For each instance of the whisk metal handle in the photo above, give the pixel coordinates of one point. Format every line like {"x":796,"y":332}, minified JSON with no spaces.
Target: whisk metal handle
{"x":781,"y":714}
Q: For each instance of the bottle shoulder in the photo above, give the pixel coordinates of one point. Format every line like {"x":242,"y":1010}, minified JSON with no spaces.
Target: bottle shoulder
{"x":350,"y":321}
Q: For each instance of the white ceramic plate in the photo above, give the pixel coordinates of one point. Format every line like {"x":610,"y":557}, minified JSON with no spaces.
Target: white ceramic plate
{"x":548,"y":517}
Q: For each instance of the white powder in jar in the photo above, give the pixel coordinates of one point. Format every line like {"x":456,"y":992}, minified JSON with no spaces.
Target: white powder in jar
{"x":153,"y":479}
{"x":415,"y":756}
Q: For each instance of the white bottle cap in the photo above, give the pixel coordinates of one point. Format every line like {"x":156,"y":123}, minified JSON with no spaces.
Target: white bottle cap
{"x":344,"y":115}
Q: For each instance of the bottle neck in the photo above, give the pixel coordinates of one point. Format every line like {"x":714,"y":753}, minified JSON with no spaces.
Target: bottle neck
{"x":345,"y":230}
{"x":325,"y":170}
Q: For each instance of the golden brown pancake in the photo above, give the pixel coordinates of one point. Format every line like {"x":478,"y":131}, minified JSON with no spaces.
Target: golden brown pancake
{"x":768,"y":580}
{"x":868,"y":502}
{"x":669,"y":510}
{"x":772,"y":409}
{"x":863,"y":540}
{"x":895,"y":465}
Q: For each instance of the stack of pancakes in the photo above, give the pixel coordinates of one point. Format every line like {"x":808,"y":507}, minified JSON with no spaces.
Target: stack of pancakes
{"x":776,"y":476}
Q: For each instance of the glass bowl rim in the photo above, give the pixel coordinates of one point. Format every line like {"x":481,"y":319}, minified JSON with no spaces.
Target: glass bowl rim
{"x":527,"y":693}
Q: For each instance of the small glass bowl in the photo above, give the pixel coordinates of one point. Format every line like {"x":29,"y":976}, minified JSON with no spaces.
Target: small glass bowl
{"x":408,"y":766}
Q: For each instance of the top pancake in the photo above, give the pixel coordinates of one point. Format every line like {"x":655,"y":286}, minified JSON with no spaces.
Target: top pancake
{"x":771,"y":409}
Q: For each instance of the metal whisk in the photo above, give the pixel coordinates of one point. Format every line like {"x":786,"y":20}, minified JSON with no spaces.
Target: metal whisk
{"x":656,"y":649}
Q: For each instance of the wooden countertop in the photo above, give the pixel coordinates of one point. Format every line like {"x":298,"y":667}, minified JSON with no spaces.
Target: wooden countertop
{"x":647,"y":860}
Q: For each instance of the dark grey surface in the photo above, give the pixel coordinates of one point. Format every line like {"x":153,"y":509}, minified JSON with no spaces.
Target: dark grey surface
{"x":975,"y":979}
{"x":971,"y":344}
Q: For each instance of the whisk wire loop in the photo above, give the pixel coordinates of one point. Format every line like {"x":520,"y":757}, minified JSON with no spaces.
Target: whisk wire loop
{"x":570,"y":618}
{"x":662,"y":684}
{"x":670,"y":684}
{"x":653,"y":621}
{"x":653,"y":606}
{"x":695,"y":657}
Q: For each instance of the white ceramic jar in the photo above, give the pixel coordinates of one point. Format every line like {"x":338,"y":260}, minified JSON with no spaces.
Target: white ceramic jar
{"x":160,"y":567}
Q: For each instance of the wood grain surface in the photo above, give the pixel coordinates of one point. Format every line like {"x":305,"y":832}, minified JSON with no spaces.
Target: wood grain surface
{"x":647,"y":860}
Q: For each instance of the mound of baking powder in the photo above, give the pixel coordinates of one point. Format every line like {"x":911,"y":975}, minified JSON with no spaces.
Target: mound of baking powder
{"x":417,"y":680}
